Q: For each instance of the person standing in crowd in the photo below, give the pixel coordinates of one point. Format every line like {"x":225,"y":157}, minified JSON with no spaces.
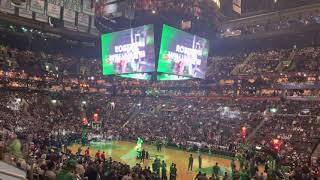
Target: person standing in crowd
{"x":154,"y":166}
{"x":216,"y":170}
{"x":158,"y":166}
{"x":91,"y":172}
{"x":143,"y":155}
{"x":173,"y":172}
{"x":260,"y":177}
{"x":79,"y":151}
{"x":226,"y":176}
{"x":66,"y":173}
{"x":163,"y":170}
{"x":190,"y":164}
{"x":87,"y":153}
{"x":198,"y":176}
{"x":103,"y":156}
{"x":200,"y":162}
{"x":97,"y":155}
{"x":233,"y":165}
{"x":49,"y":173}
{"x":160,"y":145}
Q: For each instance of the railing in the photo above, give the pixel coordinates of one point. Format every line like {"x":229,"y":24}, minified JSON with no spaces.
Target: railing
{"x":259,"y":126}
{"x":6,"y":173}
{"x":315,"y":153}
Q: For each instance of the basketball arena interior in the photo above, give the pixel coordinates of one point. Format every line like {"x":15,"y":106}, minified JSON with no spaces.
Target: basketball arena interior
{"x":159,"y":89}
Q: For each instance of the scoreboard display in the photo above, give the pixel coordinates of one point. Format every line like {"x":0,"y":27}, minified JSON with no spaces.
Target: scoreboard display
{"x":182,"y":53}
{"x":129,"y":51}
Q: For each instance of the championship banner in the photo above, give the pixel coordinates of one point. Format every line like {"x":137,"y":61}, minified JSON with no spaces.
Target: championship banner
{"x":23,"y":9}
{"x":21,"y":5}
{"x":69,"y":14}
{"x":83,"y":22}
{"x":237,"y":6}
{"x":37,"y":6}
{"x":5,"y":6}
{"x":76,"y":5}
{"x":41,"y":17}
{"x":88,"y":7}
{"x":54,"y":8}
{"x":93,"y":29}
{"x":26,"y":13}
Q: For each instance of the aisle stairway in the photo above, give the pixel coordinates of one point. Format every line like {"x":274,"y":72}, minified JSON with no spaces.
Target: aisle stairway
{"x":258,"y":127}
{"x":316,"y":153}
{"x":286,"y":64}
{"x":133,"y":112}
{"x":240,"y":67}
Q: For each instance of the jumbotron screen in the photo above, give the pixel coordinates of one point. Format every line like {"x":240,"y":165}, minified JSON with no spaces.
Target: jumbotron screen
{"x":128,"y":51}
{"x":182,"y":53}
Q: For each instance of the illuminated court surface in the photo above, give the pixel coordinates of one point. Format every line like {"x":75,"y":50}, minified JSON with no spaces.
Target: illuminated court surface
{"x":125,"y":152}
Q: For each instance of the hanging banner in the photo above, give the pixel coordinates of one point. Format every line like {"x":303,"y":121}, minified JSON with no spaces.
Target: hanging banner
{"x":69,"y":14}
{"x":6,"y":7}
{"x":37,"y":6}
{"x":54,"y":8}
{"x":76,"y":5}
{"x":20,"y":5}
{"x":26,"y":13}
{"x":41,"y":17}
{"x":88,"y":7}
{"x":83,"y":22}
{"x":23,"y":9}
{"x":93,"y":29}
{"x":237,"y":6}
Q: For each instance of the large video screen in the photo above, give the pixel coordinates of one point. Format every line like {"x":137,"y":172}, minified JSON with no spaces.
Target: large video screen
{"x":128,"y":51}
{"x":182,"y":53}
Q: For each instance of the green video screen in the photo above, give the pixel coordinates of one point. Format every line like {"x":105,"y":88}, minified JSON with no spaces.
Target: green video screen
{"x":128,"y":51}
{"x":182,"y":53}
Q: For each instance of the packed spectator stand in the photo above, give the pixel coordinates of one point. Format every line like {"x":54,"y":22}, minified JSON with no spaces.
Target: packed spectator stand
{"x":46,"y":96}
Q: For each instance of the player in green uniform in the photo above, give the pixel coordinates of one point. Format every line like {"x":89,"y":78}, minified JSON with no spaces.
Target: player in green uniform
{"x":216,"y":170}
{"x":163,"y":170}
{"x":190,"y":164}
{"x":200,"y":162}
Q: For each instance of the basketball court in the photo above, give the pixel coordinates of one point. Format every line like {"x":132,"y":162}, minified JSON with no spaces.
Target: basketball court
{"x":125,"y":152}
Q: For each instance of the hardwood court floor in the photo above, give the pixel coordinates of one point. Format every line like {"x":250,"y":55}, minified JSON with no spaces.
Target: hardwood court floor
{"x":125,"y":152}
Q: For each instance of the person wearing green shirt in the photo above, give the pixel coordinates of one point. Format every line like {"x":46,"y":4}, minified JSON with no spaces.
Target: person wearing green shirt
{"x":173,"y":172}
{"x":158,"y":166}
{"x":66,"y":173}
{"x":190,"y":164}
{"x":244,"y":175}
{"x":15,"y":147}
{"x":154,"y":166}
{"x":163,"y":170}
{"x":200,"y":162}
{"x":216,"y":170}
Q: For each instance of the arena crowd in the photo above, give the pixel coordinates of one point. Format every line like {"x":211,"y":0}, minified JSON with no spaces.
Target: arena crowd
{"x":193,"y":115}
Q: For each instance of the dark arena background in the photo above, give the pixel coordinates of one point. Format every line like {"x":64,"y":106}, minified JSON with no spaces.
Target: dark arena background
{"x":159,"y":89}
